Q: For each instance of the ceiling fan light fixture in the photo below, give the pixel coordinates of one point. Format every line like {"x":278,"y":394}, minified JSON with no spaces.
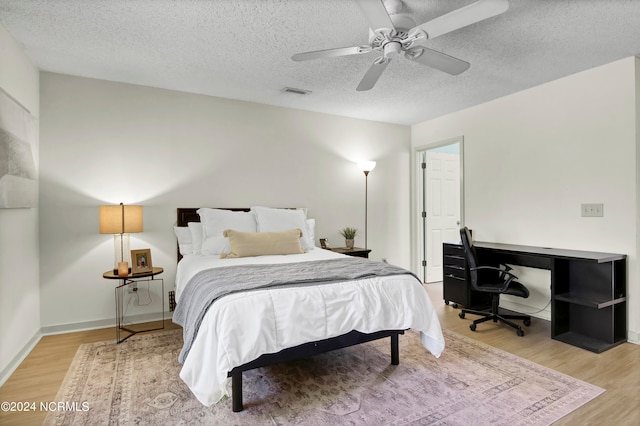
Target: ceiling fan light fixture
{"x":392,"y":49}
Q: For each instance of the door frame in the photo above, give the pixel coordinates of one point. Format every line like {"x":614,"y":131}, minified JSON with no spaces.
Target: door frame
{"x":416,"y":199}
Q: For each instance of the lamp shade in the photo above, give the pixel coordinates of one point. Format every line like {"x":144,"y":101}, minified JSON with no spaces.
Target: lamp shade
{"x":121,"y":219}
{"x":367,"y":166}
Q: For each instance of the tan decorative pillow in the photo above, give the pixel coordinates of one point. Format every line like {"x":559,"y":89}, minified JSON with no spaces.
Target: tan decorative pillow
{"x":245,"y":244}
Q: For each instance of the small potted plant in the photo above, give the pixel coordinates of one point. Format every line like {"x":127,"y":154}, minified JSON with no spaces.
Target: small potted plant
{"x":349,"y":234}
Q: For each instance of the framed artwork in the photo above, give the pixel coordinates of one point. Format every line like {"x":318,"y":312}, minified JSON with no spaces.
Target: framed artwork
{"x":18,"y":152}
{"x":323,"y":243}
{"x":141,"y":261}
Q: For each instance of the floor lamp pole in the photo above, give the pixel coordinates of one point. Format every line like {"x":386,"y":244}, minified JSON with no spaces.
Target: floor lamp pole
{"x":366,"y":198}
{"x":366,"y":167}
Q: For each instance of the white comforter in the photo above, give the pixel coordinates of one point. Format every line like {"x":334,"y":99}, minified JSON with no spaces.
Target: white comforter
{"x":238,"y":328}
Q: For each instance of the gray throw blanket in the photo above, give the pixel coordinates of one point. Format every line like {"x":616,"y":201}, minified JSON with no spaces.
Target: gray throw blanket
{"x":209,"y":285}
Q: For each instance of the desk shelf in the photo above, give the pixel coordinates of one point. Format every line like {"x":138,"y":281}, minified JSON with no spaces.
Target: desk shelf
{"x":592,"y":301}
{"x":587,"y":342}
{"x":589,"y":303}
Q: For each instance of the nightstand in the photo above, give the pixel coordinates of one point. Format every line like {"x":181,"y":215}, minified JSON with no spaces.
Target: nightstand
{"x":356,"y":251}
{"x":127,"y":283}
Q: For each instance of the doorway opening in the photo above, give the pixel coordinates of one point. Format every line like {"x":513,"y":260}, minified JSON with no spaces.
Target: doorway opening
{"x":439,"y":184}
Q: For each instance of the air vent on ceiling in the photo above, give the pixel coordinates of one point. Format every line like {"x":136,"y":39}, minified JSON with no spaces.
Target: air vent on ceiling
{"x":296,"y":91}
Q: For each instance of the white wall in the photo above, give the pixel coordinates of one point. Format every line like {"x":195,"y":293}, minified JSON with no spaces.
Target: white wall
{"x":103,"y":142}
{"x":19,"y":270}
{"x":531,"y":159}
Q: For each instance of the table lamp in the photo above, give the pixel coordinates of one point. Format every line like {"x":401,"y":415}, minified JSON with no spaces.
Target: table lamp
{"x":121,"y":220}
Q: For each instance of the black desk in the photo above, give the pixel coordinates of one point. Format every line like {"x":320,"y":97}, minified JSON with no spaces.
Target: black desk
{"x":588,"y":290}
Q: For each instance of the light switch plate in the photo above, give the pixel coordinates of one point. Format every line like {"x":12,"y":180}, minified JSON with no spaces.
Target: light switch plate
{"x":592,"y":210}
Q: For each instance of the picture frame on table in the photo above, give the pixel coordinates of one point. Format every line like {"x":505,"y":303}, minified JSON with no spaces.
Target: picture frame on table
{"x":141,"y":261}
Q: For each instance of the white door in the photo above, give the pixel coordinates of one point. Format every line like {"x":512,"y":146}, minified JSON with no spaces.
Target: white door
{"x":441,"y":215}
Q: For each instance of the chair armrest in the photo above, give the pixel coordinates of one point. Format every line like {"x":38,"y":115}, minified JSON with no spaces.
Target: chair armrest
{"x":505,"y":275}
{"x":505,"y":268}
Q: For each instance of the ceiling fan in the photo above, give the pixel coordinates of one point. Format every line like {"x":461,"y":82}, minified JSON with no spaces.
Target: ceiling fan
{"x":392,"y":33}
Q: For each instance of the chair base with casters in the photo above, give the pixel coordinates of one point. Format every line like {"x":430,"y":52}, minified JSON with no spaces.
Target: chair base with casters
{"x":495,"y":316}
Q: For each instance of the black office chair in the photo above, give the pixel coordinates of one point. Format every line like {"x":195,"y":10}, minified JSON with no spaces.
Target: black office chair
{"x":492,"y":280}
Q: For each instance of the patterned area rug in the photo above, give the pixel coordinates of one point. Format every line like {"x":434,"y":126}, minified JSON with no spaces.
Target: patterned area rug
{"x":137,"y":382}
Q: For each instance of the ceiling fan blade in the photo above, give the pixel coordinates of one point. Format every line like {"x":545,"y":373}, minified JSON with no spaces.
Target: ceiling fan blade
{"x":376,"y":14}
{"x":459,"y":18}
{"x":437,"y":60}
{"x":330,"y":53}
{"x":373,"y":74}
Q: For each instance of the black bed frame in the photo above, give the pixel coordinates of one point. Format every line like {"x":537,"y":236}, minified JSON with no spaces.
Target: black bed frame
{"x":186,"y":215}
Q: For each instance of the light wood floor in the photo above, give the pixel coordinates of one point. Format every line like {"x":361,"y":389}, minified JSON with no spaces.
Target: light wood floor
{"x":617,"y":370}
{"x":40,"y":375}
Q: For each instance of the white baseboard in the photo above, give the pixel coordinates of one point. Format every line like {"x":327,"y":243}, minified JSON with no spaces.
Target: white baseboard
{"x":20,"y":356}
{"x":70,"y":328}
{"x":95,"y":325}
{"x":633,"y":337}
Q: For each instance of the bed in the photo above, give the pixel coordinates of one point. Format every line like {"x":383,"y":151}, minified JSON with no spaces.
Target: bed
{"x":317,"y":312}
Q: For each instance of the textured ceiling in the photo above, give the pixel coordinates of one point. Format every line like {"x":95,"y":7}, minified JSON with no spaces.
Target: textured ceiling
{"x":242,"y":49}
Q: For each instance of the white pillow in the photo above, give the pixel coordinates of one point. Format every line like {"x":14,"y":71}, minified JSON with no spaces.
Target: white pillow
{"x":273,"y":220}
{"x":196,"y":236}
{"x":311,"y":230}
{"x":215,"y":221}
{"x":185,"y":243}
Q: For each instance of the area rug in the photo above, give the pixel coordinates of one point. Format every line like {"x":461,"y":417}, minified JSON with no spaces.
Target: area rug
{"x":137,"y":382}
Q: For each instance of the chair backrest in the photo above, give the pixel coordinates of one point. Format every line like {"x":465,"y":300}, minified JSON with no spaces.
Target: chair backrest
{"x":470,"y":255}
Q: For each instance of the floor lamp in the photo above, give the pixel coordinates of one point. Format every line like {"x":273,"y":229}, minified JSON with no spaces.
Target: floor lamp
{"x":121,"y":220}
{"x":366,"y":167}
